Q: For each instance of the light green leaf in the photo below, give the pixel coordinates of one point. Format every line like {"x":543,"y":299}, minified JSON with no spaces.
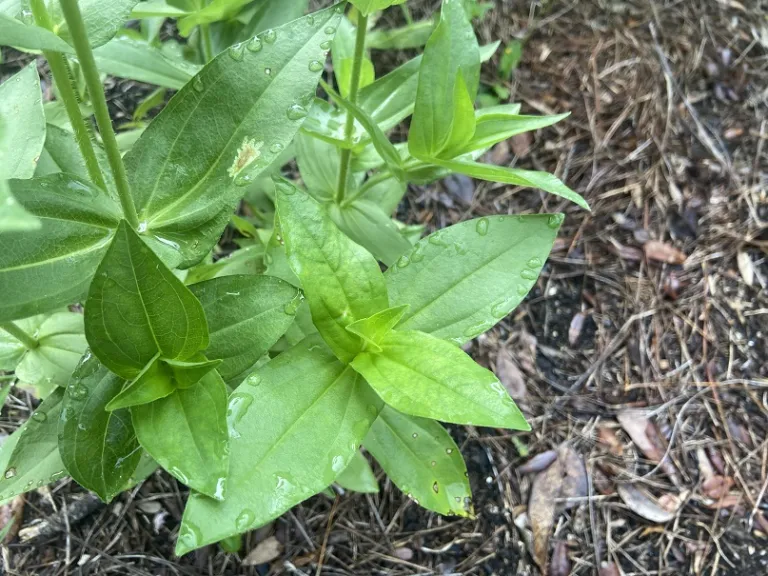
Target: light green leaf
{"x":152,"y":383}
{"x":386,"y":194}
{"x":368,"y":6}
{"x":366,"y":223}
{"x":61,"y":154}
{"x":296,"y":423}
{"x":213,"y":12}
{"x":19,"y":35}
{"x":452,"y":56}
{"x":422,"y":460}
{"x":358,"y":476}
{"x":14,"y":218}
{"x":248,"y":260}
{"x":187,"y":374}
{"x":421,"y":375}
{"x":157,"y":9}
{"x":343,"y":73}
{"x":462,"y":280}
{"x":188,"y":198}
{"x":319,"y":164}
{"x":341,"y":280}
{"x":136,"y":308}
{"x":374,"y":328}
{"x":30,"y":456}
{"x":246,"y":316}
{"x":413,"y":35}
{"x":186,"y":433}
{"x":128,"y":57}
{"x":22,"y":123}
{"x":152,"y":100}
{"x":273,"y":14}
{"x":510,"y":58}
{"x":326,"y":122}
{"x":98,"y":448}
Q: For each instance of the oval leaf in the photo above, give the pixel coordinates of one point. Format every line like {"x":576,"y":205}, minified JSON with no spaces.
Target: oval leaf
{"x":358,"y":476}
{"x":22,"y":124}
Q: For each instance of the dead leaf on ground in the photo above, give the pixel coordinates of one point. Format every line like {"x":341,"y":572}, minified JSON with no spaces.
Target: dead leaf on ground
{"x":521,"y":144}
{"x":264,"y":552}
{"x":608,"y":437}
{"x":565,"y":478}
{"x":609,"y":569}
{"x":647,"y":438}
{"x":663,"y":252}
{"x":746,"y":268}
{"x":510,"y":375}
{"x":538,"y":463}
{"x":561,"y":564}
{"x":643,"y":504}
{"x":717,"y":486}
{"x":577,"y":325}
{"x":13,"y":513}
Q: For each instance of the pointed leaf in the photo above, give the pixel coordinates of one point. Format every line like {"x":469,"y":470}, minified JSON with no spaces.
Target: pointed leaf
{"x":30,"y":456}
{"x":17,"y":34}
{"x":187,"y":198}
{"x":22,"y":123}
{"x":136,"y":308}
{"x":374,"y":328}
{"x":358,"y":476}
{"x":153,"y":383}
{"x":186,"y":433}
{"x":462,"y":280}
{"x":422,"y":460}
{"x":187,"y":374}
{"x":246,"y":316}
{"x":98,"y":448}
{"x":341,"y":280}
{"x":296,"y":423}
{"x":424,"y":376}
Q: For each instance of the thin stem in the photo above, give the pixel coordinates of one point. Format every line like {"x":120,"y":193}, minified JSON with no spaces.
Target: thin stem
{"x":357,"y":65}
{"x":62,"y":78}
{"x":74,"y":20}
{"x":14,"y":330}
{"x":205,"y":33}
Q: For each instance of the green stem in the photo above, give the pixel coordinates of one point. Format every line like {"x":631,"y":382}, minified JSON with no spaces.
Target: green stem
{"x":74,"y":20}
{"x":205,"y":32}
{"x":357,"y":65}
{"x":14,"y":330}
{"x":62,"y":78}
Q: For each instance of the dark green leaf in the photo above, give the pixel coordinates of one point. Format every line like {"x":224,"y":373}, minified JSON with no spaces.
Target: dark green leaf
{"x":98,"y":448}
{"x":19,"y":35}
{"x":187,"y":198}
{"x":421,"y":375}
{"x":341,"y":280}
{"x":422,"y":460}
{"x":152,"y":383}
{"x":136,"y":308}
{"x":296,"y":423}
{"x":462,"y":280}
{"x":246,"y":316}
{"x":22,"y":123}
{"x":187,"y":374}
{"x":186,"y":433}
{"x":358,"y":476}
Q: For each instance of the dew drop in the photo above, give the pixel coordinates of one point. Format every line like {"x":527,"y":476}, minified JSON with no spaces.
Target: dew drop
{"x":293,"y":305}
{"x":276,"y":148}
{"x":311,"y":20}
{"x":330,"y":30}
{"x":339,"y":8}
{"x":460,"y":248}
{"x":555,"y":220}
{"x":433,"y":463}
{"x":482,"y":226}
{"x":502,"y":308}
{"x":534,"y":262}
{"x":268,"y":71}
{"x":39,"y":416}
{"x":197,"y":84}
{"x":436,"y":239}
{"x":418,"y":253}
{"x":315,"y":66}
{"x":296,"y":112}
{"x":78,"y":391}
{"x":254,"y":44}
{"x":239,"y":403}
{"x":243,"y":180}
{"x":253,"y":380}
{"x":449,"y":451}
{"x":403,"y":261}
{"x":337,"y":464}
{"x":325,"y":44}
{"x":82,"y":427}
{"x":237,"y":52}
{"x":190,"y":535}
{"x":56,"y":476}
{"x":435,"y":487}
{"x":10,"y":473}
{"x":522,"y":290}
{"x":529,"y":274}
{"x":244,"y":520}
{"x":458,"y":499}
{"x":270,"y":36}
{"x":414,"y":435}
{"x":221,"y":489}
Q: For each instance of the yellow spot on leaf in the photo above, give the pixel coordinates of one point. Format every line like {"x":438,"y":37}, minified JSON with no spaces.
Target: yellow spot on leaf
{"x":248,"y":153}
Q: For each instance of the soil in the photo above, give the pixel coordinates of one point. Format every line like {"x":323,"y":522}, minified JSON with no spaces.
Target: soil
{"x":655,"y":300}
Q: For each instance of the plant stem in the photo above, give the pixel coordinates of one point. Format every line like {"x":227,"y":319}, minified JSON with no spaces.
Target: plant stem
{"x":205,"y":33}
{"x":14,"y":330}
{"x":357,"y":65}
{"x":74,"y":20}
{"x":62,"y":78}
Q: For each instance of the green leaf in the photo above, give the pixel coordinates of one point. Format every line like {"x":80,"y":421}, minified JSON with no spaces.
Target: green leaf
{"x":462,"y":280}
{"x":374,"y":328}
{"x":246,"y":316}
{"x":13,"y":217}
{"x":136,"y":308}
{"x":152,"y":383}
{"x":187,"y":198}
{"x":341,"y":280}
{"x":22,"y":124}
{"x":510,"y":58}
{"x":422,"y":460}
{"x":527,"y":178}
{"x":157,"y":9}
{"x":413,"y":35}
{"x":326,"y":122}
{"x":296,"y":423}
{"x":448,"y":81}
{"x":273,"y":14}
{"x":31,"y":455}
{"x":152,"y":100}
{"x":19,"y":35}
{"x":186,"y":433}
{"x":98,"y":448}
{"x":366,"y":223}
{"x":386,"y":194}
{"x":368,"y":6}
{"x":343,"y":73}
{"x":213,"y":12}
{"x":319,"y":164}
{"x":187,"y":374}
{"x":421,"y":375}
{"x":128,"y":57}
{"x":61,"y":154}
{"x":358,"y":476}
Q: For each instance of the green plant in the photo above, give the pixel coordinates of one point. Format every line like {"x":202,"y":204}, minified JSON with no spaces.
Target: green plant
{"x":254,"y":379}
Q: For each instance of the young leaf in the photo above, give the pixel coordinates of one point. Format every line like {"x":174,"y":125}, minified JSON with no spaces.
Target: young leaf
{"x":186,"y":374}
{"x":186,"y":433}
{"x":368,"y":225}
{"x":295,"y":423}
{"x":366,"y":7}
{"x":374,"y":328}
{"x":136,"y":308}
{"x":22,"y":124}
{"x":343,"y":72}
{"x":424,"y":376}
{"x":326,"y":122}
{"x":451,"y":57}
{"x":269,"y":81}
{"x":19,"y":35}
{"x":30,"y":456}
{"x":98,"y":447}
{"x":413,"y":35}
{"x":341,"y":280}
{"x":422,"y":460}
{"x":61,"y":154}
{"x":462,"y":280}
{"x":212,"y":12}
{"x":152,"y":383}
{"x":358,"y":476}
{"x":246,"y":316}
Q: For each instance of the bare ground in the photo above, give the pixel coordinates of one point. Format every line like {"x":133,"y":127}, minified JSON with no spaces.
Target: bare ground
{"x":640,"y":356}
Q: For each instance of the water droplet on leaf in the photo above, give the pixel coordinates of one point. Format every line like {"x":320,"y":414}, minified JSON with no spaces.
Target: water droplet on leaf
{"x":39,"y":416}
{"x":325,"y":44}
{"x":555,"y":220}
{"x":237,"y":52}
{"x":244,"y":520}
{"x":296,"y":112}
{"x":330,"y":30}
{"x":529,"y":274}
{"x":276,"y":148}
{"x":10,"y":473}
{"x":315,"y":66}
{"x":435,"y":487}
{"x":534,"y":262}
{"x":268,"y":71}
{"x":403,"y":261}
{"x":270,"y":36}
{"x":254,"y":45}
{"x":482,"y":226}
